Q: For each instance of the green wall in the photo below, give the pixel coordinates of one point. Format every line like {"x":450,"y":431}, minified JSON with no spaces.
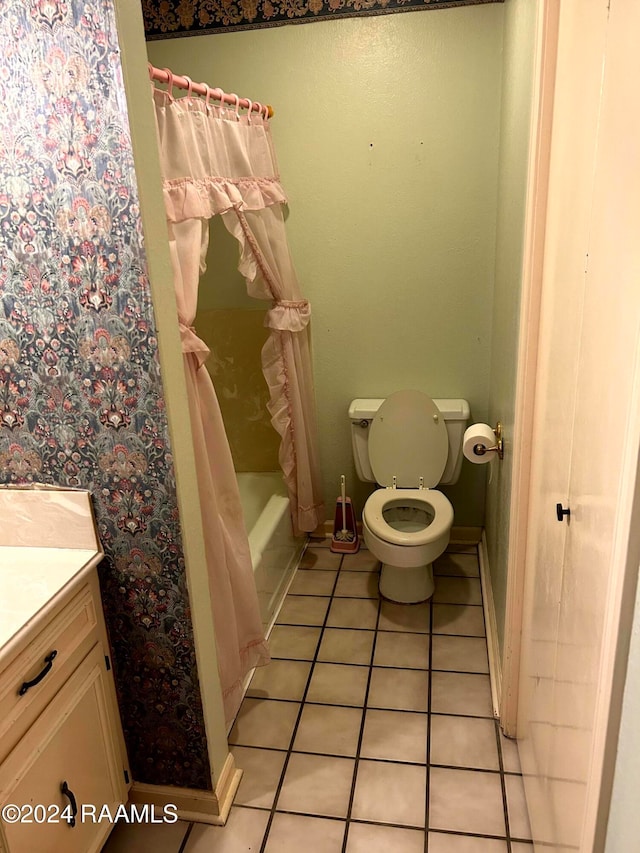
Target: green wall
{"x":387,"y":132}
{"x":519,"y":29}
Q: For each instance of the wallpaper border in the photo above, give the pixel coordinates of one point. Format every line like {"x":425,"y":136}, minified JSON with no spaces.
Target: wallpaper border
{"x":292,"y":15}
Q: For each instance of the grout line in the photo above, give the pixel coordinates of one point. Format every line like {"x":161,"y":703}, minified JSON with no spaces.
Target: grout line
{"x":503,"y":786}
{"x":428,"y":775}
{"x":381,"y":630}
{"x":376,"y":823}
{"x":399,"y":668}
{"x":361,"y":735}
{"x":461,"y":832}
{"x":499,"y":745}
{"x":331,"y":595}
{"x":382,"y":760}
{"x":185,"y":839}
{"x":463,"y":604}
{"x":285,"y":766}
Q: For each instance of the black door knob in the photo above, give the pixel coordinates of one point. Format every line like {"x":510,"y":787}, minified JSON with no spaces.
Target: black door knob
{"x":561,"y":512}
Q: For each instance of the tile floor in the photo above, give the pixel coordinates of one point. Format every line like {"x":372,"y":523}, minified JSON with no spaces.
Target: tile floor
{"x":371,"y":731}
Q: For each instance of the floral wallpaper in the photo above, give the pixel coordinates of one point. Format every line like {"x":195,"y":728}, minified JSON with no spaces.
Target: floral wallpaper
{"x":81,"y":400}
{"x":173,"y":18}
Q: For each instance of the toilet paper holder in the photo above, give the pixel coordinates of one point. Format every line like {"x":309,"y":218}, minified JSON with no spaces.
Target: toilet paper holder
{"x":480,"y":449}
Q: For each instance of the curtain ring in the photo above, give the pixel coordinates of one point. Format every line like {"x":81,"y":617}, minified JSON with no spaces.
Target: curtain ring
{"x":219,"y":94}
{"x":258,"y":107}
{"x":266,"y":112}
{"x":169,"y":74}
{"x":249,"y":108}
{"x":237,"y":100}
{"x":190,"y":86}
{"x":208,"y":95}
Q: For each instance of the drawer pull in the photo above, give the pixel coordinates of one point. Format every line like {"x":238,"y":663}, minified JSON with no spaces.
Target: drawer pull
{"x":47,"y":668}
{"x":66,"y":790}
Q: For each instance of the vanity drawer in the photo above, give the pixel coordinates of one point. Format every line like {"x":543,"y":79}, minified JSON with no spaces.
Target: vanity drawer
{"x":34,"y":675}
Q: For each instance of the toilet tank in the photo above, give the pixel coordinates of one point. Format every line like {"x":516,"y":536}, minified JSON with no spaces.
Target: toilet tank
{"x":456,"y":416}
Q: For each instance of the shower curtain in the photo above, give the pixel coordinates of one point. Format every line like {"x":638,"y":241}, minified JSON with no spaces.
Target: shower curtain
{"x":215,"y":162}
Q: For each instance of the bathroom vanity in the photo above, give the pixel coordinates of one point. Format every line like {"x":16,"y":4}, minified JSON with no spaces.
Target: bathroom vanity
{"x":61,"y":744}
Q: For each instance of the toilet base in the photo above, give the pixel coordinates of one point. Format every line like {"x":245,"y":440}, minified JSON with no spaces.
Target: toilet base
{"x":406,"y":585}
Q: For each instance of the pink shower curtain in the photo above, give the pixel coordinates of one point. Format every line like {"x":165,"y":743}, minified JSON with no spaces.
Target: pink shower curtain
{"x":240,"y":641}
{"x":215,"y":163}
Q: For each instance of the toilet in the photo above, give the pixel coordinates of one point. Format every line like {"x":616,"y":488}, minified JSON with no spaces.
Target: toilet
{"x":407,"y":444}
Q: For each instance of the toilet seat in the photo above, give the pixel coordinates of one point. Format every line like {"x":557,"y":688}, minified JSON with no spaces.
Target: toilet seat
{"x":408,"y":441}
{"x":382,"y":499}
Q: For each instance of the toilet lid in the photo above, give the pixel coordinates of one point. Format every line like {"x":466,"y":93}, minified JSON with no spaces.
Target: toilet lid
{"x":408,"y":439}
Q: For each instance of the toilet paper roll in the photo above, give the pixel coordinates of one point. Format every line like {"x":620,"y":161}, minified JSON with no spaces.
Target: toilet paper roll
{"x":475,"y":437}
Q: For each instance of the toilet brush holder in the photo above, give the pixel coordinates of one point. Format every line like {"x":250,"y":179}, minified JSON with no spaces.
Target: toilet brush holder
{"x":345,"y":532}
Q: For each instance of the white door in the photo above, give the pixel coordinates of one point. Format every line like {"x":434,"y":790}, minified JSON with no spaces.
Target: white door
{"x":585,"y":422}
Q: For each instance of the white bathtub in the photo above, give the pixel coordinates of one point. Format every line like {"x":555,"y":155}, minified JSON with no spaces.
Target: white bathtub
{"x":275,"y":551}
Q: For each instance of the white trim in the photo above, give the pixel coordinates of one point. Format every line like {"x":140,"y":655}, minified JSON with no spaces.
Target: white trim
{"x":193,"y":804}
{"x":148,"y":176}
{"x":625,"y":545}
{"x":491,"y":626}
{"x":226,"y":787}
{"x":535,"y":223}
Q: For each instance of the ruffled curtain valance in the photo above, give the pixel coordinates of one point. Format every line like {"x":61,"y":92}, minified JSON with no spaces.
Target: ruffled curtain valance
{"x":214,"y":161}
{"x":207,"y":197}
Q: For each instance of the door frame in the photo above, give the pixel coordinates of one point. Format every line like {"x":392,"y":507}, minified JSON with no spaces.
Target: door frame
{"x":626,"y":546}
{"x":545,"y":54}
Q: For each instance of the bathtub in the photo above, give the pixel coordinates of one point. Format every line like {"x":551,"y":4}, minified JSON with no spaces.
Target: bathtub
{"x":275,"y":551}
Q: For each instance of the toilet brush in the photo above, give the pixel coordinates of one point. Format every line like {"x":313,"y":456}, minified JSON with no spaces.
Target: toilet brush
{"x":345,"y":534}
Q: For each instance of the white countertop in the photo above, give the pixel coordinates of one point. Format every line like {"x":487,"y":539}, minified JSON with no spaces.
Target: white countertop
{"x":31,"y":577}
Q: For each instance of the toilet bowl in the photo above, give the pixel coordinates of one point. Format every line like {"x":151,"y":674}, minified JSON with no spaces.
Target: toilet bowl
{"x":407,"y":529}
{"x":407,"y":523}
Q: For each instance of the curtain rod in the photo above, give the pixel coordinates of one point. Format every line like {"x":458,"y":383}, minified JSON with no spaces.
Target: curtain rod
{"x":165,"y":75}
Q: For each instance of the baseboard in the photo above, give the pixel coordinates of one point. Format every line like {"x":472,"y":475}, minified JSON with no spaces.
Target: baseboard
{"x":459,"y":535}
{"x":491,"y":625}
{"x":465,"y":535}
{"x":193,"y":804}
{"x":226,"y":788}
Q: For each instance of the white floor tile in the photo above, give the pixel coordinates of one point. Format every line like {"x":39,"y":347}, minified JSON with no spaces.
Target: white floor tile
{"x":390,"y":793}
{"x":261,"y":773}
{"x":366,"y":838}
{"x":292,"y":833}
{"x":243,"y":831}
{"x":466,"y":801}
{"x":143,"y":837}
{"x":440,"y":842}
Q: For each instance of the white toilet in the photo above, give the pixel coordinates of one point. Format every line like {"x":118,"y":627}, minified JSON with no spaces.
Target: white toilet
{"x":407,"y":443}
